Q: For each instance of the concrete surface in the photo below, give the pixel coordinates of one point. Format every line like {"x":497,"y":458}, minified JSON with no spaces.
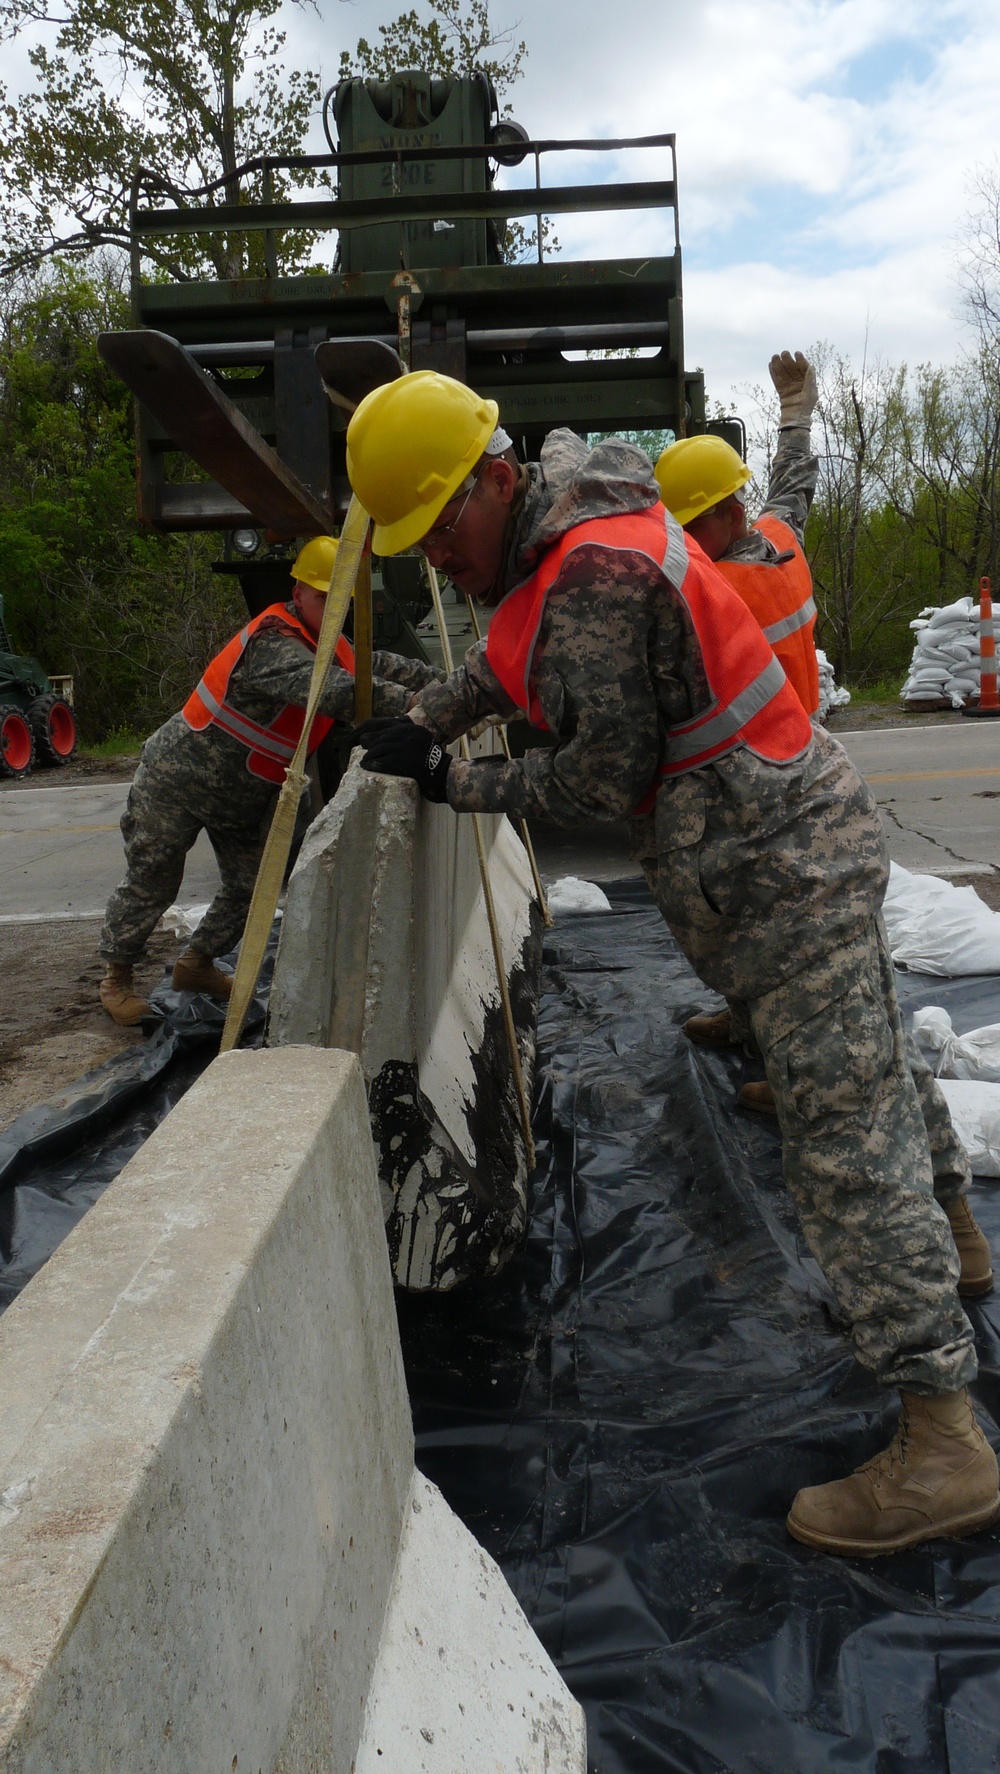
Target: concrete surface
{"x":205,"y":1447}
{"x":206,"y":1461}
{"x":385,"y":950}
{"x":938,"y":790}
{"x":61,"y":852}
{"x":453,"y":1631}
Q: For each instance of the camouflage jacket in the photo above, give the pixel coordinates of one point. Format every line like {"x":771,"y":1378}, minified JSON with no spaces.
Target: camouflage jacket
{"x":616,"y":658}
{"x":790,"y":490}
{"x":760,"y":869}
{"x":209,"y":769}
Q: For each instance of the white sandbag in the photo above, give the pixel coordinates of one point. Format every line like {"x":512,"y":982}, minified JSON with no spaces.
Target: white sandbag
{"x":573,"y":895}
{"x":949,"y":614}
{"x":831,"y":694}
{"x":974,"y":1056}
{"x":975,"y":1114}
{"x":182,"y":920}
{"x":945,"y":660}
{"x":934,"y":927}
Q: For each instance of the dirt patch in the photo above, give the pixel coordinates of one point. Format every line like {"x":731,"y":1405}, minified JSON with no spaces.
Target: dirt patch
{"x":54,"y":1028}
{"x":987,"y":887}
{"x":860,"y":715}
{"x":121,"y":769}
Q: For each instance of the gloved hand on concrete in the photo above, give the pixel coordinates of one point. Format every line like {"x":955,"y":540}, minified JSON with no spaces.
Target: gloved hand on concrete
{"x":795,"y":383}
{"x":401,"y":748}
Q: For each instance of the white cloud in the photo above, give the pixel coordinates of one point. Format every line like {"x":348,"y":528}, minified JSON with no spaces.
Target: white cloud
{"x":824,"y":146}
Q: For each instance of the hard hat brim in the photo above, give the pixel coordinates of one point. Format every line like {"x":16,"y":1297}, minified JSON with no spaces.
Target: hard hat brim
{"x":407,"y":531}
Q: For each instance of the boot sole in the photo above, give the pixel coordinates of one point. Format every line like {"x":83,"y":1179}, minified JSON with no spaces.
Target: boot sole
{"x":974,"y":1290}
{"x":946,"y":1530}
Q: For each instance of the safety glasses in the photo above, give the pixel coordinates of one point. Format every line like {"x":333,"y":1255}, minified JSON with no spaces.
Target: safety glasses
{"x":441,"y":532}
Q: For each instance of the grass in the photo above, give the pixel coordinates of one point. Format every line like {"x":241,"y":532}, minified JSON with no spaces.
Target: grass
{"x":885,"y":691}
{"x":121,"y":742}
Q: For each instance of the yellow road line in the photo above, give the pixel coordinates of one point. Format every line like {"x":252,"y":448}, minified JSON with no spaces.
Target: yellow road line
{"x":927,"y":775}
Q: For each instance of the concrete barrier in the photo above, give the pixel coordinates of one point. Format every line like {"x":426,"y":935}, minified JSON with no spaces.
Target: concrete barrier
{"x":385,"y":950}
{"x":215,"y":1553}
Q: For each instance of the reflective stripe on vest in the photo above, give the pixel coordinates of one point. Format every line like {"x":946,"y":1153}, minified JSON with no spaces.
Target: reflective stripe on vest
{"x":779,"y":594}
{"x":752,"y":703}
{"x":779,"y":631}
{"x":270,"y":749}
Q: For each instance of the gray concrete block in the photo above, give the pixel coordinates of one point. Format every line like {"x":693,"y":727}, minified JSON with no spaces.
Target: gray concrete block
{"x":205,"y":1447}
{"x":385,"y":949}
{"x":462,"y":1682}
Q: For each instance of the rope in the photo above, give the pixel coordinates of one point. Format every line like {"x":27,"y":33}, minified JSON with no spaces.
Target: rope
{"x":271,"y":873}
{"x":491,"y":914}
{"x":543,"y":903}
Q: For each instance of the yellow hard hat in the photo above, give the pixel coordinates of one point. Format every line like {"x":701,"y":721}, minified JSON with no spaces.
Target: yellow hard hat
{"x":410,"y":445}
{"x":314,"y":563}
{"x":696,"y":473}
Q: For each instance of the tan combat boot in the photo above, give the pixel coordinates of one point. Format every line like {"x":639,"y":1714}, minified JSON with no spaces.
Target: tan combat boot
{"x":198,"y":973}
{"x":711,"y":1031}
{"x":973,"y":1249}
{"x":119,"y":997}
{"x":759,"y":1097}
{"x":938,"y":1476}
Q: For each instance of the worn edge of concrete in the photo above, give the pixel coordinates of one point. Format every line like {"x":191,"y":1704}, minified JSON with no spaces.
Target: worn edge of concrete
{"x":462,"y":1684}
{"x":198,"y":1295}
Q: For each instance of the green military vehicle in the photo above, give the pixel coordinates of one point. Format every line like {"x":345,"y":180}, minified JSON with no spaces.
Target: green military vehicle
{"x":428,"y":181}
{"x":37,"y":723}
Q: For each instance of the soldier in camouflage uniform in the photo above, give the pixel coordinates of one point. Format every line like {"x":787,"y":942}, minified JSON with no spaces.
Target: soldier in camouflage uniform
{"x":769,"y":873}
{"x":716,"y":518}
{"x":189,"y":781}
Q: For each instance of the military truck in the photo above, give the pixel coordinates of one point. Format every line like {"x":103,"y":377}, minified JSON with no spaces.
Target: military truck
{"x":420,"y":259}
{"x":37,"y":723}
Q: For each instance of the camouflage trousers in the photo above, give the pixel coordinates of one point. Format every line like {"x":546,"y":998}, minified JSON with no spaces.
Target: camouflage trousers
{"x":949,"y":1159}
{"x":159,"y":828}
{"x":857,"y":1161}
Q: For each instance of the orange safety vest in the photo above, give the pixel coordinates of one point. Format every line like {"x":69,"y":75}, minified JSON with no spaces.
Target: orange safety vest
{"x":780,"y":595}
{"x":270,"y":749}
{"x":753,"y":703}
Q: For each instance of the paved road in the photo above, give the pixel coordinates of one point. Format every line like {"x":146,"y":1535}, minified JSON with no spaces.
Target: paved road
{"x":61,"y":852}
{"x":938,"y":788}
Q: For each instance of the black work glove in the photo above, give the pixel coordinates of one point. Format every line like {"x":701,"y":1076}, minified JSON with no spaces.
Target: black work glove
{"x":400,"y":748}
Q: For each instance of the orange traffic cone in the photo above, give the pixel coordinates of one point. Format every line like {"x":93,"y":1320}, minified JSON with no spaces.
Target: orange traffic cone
{"x":988,"y":706}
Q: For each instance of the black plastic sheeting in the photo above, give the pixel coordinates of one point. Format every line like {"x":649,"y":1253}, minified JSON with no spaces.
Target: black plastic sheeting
{"x":623,"y":1417}
{"x":58,"y":1158}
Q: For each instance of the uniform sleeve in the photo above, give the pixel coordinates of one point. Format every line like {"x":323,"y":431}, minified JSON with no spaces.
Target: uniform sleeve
{"x":794,"y":474}
{"x":466,"y":697}
{"x":594,"y":684}
{"x":414,"y":674}
{"x":276,"y":670}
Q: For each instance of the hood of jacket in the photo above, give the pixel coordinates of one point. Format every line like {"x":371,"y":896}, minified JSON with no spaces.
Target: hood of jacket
{"x":569,"y":485}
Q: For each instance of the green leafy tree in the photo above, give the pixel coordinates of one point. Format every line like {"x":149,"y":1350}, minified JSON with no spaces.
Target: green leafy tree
{"x":132,"y":615}
{"x":186,"y":90}
{"x":458,"y":38}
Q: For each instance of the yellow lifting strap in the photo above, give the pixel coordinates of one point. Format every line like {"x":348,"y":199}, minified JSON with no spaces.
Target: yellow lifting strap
{"x":274,"y":861}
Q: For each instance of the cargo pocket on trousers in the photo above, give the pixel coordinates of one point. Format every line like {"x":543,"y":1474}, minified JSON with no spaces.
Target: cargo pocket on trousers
{"x":835,"y":1062}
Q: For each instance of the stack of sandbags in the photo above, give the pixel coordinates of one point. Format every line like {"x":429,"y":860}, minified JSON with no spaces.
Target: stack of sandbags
{"x":935,"y":927}
{"x":945,"y":663}
{"x":830,"y":693}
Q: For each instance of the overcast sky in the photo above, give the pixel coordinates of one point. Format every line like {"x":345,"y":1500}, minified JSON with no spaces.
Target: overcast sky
{"x":825,"y":149}
{"x":825,"y":152}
